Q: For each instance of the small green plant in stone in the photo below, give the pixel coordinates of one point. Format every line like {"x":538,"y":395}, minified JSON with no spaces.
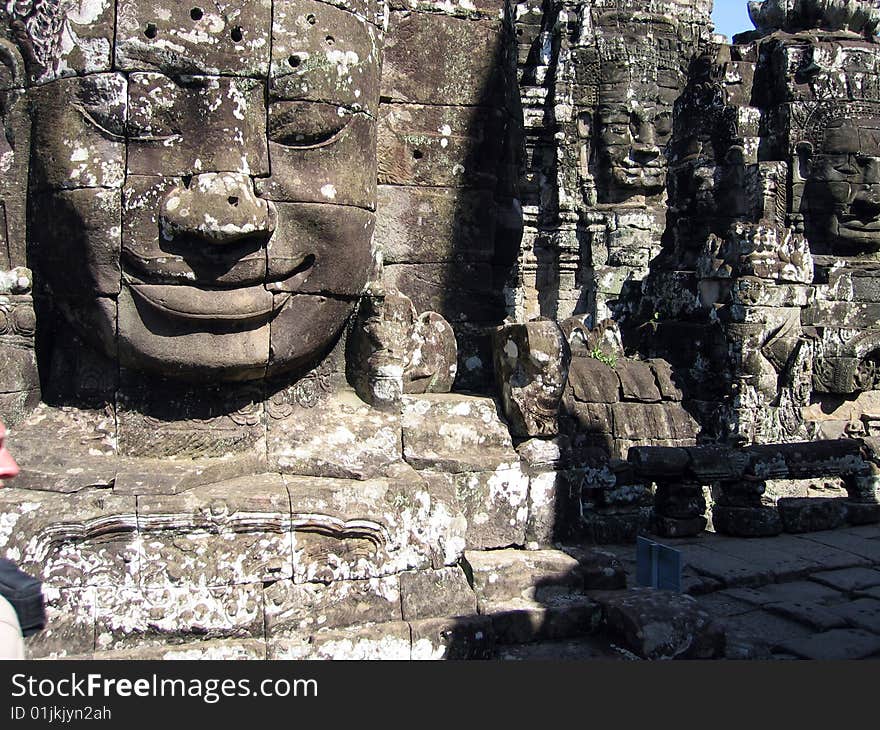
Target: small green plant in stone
{"x":598,"y":354}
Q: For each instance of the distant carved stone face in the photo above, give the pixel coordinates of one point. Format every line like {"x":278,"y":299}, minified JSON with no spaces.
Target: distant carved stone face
{"x":842,"y":193}
{"x":203,"y":206}
{"x":632,"y":136}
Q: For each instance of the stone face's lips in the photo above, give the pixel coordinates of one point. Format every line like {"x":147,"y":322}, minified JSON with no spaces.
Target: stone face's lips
{"x":649,"y":165}
{"x":856,"y":230}
{"x":857,"y":224}
{"x":188,"y":302}
{"x":644,"y":175}
{"x":202,"y":274}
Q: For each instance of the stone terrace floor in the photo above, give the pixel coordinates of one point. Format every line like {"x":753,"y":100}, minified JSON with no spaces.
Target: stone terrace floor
{"x":809,"y":596}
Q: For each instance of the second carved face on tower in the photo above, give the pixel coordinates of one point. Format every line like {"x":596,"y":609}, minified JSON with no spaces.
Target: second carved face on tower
{"x":842,"y":192}
{"x":207,"y":209}
{"x":632,"y":137}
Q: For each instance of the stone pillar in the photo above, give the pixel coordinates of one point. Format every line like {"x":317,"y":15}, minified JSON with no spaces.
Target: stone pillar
{"x":862,"y":507}
{"x":679,"y":509}
{"x":616,"y":506}
{"x":740,"y":512}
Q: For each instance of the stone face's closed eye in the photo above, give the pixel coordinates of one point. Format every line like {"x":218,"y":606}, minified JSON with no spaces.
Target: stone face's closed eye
{"x":306,"y":124}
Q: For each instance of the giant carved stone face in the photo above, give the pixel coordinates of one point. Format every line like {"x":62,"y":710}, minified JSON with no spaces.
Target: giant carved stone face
{"x":634,"y":126}
{"x":842,"y":193}
{"x":201,"y":199}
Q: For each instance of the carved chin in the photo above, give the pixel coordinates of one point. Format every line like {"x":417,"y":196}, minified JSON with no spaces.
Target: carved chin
{"x":853,"y":234}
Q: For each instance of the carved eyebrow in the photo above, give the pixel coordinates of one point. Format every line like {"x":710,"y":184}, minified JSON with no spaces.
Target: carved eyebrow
{"x":121,"y":137}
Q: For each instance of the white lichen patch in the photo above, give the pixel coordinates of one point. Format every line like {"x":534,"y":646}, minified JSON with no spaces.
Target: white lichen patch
{"x":542,"y":490}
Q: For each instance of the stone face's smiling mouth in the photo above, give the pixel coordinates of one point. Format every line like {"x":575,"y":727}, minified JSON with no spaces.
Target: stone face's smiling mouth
{"x":248,"y":304}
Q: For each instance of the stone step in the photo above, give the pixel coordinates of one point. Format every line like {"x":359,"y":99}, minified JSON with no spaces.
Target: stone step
{"x":532,"y":575}
{"x":465,"y":637}
{"x":521,"y":621}
{"x":636,"y":623}
{"x":209,"y":649}
{"x":622,"y":624}
{"x":580,"y":649}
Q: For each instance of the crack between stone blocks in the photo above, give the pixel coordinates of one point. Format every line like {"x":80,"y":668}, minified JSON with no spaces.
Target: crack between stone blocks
{"x":388,"y":101}
{"x":113,"y":46}
{"x":425,"y":186}
{"x":400,"y":600}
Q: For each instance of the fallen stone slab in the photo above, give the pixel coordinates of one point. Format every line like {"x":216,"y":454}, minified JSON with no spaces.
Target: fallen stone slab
{"x":662,"y":625}
{"x":869,"y":532}
{"x":676,"y":527}
{"x":695,"y":584}
{"x":834,"y":645}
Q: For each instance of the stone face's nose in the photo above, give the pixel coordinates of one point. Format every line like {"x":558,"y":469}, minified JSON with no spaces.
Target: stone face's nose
{"x":645,"y":146}
{"x":646,"y":131}
{"x":218,"y":208}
